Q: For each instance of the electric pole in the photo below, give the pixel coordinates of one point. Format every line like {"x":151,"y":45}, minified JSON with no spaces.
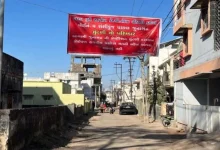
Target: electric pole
{"x":130,"y":74}
{"x":113,"y":83}
{"x":123,"y":91}
{"x":2,"y":6}
{"x":144,"y":101}
{"x":120,"y":66}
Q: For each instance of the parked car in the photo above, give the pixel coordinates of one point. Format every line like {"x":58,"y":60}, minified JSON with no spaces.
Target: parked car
{"x":128,"y":107}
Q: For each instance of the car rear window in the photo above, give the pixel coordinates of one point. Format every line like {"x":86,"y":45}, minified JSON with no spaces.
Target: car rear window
{"x":125,"y":104}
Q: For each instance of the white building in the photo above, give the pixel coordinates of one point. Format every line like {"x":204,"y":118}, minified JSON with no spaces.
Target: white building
{"x":138,"y":89}
{"x":153,"y":62}
{"x":109,"y":96}
{"x":70,"y":78}
{"x":88,"y":88}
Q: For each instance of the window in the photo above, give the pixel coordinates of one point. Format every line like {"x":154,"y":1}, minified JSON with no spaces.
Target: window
{"x":47,"y":97}
{"x":28,"y":97}
{"x":205,"y":14}
{"x":205,"y":20}
{"x":138,"y":86}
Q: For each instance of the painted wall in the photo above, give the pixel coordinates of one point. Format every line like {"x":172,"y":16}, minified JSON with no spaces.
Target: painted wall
{"x":203,"y":47}
{"x":72,"y":79}
{"x":193,"y":92}
{"x":87,"y":88}
{"x":153,"y":61}
{"x":138,"y":92}
{"x":61,"y":93}
{"x":109,"y":96}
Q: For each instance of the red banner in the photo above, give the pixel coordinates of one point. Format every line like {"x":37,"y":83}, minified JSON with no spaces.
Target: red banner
{"x":113,"y":35}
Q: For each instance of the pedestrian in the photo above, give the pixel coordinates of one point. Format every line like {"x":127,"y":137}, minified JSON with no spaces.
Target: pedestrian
{"x":93,"y":105}
{"x":112,"y":110}
{"x":104,"y":107}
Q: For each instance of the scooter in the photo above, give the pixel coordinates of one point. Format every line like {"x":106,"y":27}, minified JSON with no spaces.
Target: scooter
{"x":112,"y":110}
{"x":166,"y":120}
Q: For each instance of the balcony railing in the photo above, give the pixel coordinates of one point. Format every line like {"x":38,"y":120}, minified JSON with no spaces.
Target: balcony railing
{"x":166,"y":83}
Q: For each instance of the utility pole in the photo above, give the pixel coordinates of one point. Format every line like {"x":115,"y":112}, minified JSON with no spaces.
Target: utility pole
{"x":2,"y":7}
{"x":120,"y":66}
{"x":113,"y":83}
{"x":144,"y":101}
{"x":123,"y":91}
{"x":95,"y":98}
{"x":130,"y":74}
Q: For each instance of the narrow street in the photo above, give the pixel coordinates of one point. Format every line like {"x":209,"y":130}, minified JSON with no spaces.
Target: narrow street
{"x":116,"y":131}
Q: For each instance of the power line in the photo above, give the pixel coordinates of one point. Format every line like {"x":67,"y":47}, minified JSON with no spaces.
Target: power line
{"x":140,"y":7}
{"x":167,"y":26}
{"x":158,"y":7}
{"x":170,"y":12}
{"x":165,"y":34}
{"x":172,"y":19}
{"x":113,"y":74}
{"x":46,"y":7}
{"x":133,"y":7}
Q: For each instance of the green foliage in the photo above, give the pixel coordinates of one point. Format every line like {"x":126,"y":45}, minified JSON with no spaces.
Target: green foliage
{"x":156,"y":92}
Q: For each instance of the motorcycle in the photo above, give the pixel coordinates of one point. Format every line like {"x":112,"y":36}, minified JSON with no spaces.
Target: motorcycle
{"x":112,"y":110}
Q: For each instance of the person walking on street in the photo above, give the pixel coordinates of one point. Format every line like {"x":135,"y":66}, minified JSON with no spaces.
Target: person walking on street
{"x":93,"y":105}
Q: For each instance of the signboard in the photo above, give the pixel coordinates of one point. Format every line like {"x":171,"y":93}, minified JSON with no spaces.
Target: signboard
{"x":113,"y":35}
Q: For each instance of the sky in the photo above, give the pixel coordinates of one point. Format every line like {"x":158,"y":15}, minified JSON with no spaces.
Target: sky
{"x":35,"y":31}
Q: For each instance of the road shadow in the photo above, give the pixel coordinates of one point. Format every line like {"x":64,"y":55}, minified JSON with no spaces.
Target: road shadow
{"x":60,"y":137}
{"x":120,"y":134}
{"x":103,"y":137}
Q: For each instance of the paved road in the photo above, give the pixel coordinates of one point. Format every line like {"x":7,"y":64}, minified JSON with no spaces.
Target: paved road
{"x":124,"y":132}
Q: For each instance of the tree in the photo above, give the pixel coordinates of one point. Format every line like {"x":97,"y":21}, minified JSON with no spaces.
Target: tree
{"x":156,"y":92}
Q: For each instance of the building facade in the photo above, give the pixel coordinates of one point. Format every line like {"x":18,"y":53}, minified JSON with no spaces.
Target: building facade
{"x":163,"y":63}
{"x":73,"y":79}
{"x":167,"y":56}
{"x":49,"y":93}
{"x":89,"y":70}
{"x":12,"y":81}
{"x":109,"y":96}
{"x":197,"y":77}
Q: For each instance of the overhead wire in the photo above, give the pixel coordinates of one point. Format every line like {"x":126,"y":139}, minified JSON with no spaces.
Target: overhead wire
{"x":172,"y":18}
{"x":113,"y":74}
{"x":43,"y":6}
{"x":132,"y":10}
{"x":140,"y":7}
{"x":157,"y":8}
{"x":169,"y":12}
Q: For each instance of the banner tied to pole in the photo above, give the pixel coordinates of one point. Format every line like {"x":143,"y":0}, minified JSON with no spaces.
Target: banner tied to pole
{"x":113,"y":35}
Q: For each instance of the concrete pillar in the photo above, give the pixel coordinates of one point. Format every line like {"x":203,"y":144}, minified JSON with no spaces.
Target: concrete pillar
{"x":171,"y":72}
{"x":95,"y":98}
{"x":99,"y":93}
{"x":175,"y":101}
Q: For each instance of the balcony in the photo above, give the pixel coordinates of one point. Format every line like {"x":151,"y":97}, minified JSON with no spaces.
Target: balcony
{"x":180,"y":27}
{"x":166,"y":83}
{"x":197,"y":4}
